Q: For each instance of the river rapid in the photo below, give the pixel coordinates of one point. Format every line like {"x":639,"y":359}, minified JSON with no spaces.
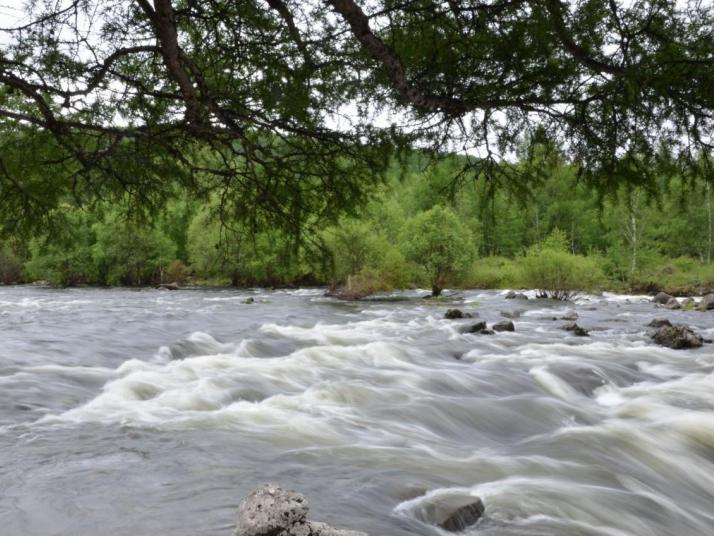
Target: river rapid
{"x":146,"y":412}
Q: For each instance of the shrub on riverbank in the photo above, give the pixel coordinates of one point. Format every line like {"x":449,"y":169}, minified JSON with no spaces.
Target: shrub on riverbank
{"x":555,"y":273}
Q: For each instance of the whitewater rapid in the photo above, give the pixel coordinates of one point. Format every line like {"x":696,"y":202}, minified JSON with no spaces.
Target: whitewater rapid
{"x":144,"y":412}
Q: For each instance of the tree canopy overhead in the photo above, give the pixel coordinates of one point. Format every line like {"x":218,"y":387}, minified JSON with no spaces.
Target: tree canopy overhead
{"x":290,"y":108}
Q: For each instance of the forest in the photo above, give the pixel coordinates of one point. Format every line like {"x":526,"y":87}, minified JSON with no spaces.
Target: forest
{"x":420,"y":228}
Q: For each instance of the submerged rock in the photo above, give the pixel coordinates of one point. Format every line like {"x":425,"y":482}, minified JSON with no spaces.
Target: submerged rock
{"x":168,"y":286}
{"x":576,"y":330}
{"x":453,"y":314}
{"x":273,"y":511}
{"x":677,"y":337}
{"x":511,"y":314}
{"x":486,"y":332}
{"x":570,"y":315}
{"x":464,"y":517}
{"x":662,"y":298}
{"x":505,"y":325}
{"x":248,"y":300}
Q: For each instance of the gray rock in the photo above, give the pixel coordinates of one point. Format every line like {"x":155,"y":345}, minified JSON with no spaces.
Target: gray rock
{"x":511,"y":314}
{"x":576,"y":330}
{"x":486,"y":332}
{"x":168,"y":286}
{"x":708,"y":302}
{"x":505,"y":325}
{"x":248,"y":300}
{"x":513,"y":295}
{"x":269,"y":510}
{"x":662,"y":298}
{"x":659,"y":322}
{"x":677,"y":337}
{"x":475,"y":328}
{"x":453,"y":314}
{"x":673,"y":304}
{"x":454,"y":513}
{"x":570,"y":315}
{"x":273,"y":511}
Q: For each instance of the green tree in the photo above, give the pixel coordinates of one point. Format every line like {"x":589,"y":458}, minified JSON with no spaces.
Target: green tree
{"x":128,"y":253}
{"x":440,"y":244}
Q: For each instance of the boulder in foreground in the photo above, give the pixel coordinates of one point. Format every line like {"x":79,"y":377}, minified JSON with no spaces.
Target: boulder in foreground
{"x":274,"y":511}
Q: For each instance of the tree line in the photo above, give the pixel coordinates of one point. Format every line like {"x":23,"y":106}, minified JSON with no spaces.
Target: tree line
{"x":418,"y":229}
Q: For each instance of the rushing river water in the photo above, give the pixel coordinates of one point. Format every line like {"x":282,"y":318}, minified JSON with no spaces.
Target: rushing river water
{"x":135,"y":413}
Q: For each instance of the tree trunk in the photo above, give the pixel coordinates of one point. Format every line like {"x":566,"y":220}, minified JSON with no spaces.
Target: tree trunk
{"x":435,"y":291}
{"x":709,"y":223}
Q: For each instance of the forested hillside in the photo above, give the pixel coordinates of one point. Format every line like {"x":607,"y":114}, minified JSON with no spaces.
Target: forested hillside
{"x":420,"y":228}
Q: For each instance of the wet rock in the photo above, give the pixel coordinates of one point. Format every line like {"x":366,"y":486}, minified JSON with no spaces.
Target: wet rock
{"x":677,"y":337}
{"x":168,"y":286}
{"x":513,"y":295}
{"x":570,"y":315}
{"x":511,"y":314}
{"x":474,"y":328}
{"x":347,"y":294}
{"x":505,"y":325}
{"x":270,"y":509}
{"x":486,"y":332}
{"x":453,"y":314}
{"x":273,"y":511}
{"x":673,"y":304}
{"x":576,"y":330}
{"x":454,"y":513}
{"x":662,"y":298}
{"x":464,"y":517}
{"x":248,"y":300}
{"x":708,"y":302}
{"x":659,"y":322}
{"x":688,"y":304}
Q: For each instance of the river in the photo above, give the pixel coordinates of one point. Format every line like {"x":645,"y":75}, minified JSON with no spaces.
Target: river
{"x":145,"y":412}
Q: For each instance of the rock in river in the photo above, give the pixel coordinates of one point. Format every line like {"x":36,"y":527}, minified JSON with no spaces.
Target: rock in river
{"x":464,"y":517}
{"x":273,"y":511}
{"x":576,"y":330}
{"x":505,"y":325}
{"x":659,"y":322}
{"x":677,"y":337}
{"x":474,"y":328}
{"x":662,"y":298}
{"x":708,"y":302}
{"x":453,"y":314}
{"x":673,"y":304}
